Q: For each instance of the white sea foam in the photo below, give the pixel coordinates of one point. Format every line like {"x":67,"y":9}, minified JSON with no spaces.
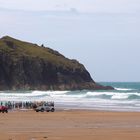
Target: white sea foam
{"x":123,"y":89}
{"x":31,"y":95}
{"x":99,"y":93}
{"x":50,"y":92}
{"x":66,"y":95}
{"x":120,"y":96}
{"x":112,"y":95}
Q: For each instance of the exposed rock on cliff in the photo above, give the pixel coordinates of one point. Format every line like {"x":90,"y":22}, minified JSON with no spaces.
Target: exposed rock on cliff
{"x":28,"y":66}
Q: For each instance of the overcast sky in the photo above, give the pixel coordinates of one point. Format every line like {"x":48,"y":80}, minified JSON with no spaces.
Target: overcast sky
{"x":101,"y":34}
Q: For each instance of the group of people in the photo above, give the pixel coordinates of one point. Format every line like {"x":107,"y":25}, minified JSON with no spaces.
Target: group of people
{"x":24,"y":105}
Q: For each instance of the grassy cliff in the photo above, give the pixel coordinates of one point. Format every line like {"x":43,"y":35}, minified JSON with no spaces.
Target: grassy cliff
{"x":28,"y":66}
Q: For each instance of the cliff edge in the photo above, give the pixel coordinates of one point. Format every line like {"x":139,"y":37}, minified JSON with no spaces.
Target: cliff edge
{"x":28,"y":66}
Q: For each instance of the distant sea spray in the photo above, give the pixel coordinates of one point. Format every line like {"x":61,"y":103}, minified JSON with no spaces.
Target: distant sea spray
{"x":125,"y":97}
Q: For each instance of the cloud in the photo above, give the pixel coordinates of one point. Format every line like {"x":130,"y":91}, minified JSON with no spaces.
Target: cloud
{"x":33,"y":5}
{"x":88,"y":6}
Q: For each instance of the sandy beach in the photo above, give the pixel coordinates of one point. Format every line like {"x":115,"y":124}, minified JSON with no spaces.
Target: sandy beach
{"x":70,"y":125}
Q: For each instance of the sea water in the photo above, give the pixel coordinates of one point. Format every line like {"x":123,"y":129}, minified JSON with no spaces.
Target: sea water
{"x":125,"y":97}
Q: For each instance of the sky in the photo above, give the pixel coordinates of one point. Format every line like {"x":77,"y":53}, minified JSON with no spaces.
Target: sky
{"x":101,"y":34}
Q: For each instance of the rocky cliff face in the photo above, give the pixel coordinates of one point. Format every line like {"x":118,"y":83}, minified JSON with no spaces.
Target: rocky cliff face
{"x":28,"y":66}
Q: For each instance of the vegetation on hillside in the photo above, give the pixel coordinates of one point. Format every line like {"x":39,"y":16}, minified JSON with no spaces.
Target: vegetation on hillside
{"x":19,"y":48}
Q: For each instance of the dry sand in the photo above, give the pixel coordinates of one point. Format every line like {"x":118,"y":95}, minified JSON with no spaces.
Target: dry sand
{"x":70,"y":125}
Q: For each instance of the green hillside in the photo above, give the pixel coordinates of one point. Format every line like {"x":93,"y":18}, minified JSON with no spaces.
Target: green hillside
{"x":25,"y":65}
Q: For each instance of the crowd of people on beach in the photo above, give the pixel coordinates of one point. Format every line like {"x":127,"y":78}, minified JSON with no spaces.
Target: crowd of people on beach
{"x":24,"y":105}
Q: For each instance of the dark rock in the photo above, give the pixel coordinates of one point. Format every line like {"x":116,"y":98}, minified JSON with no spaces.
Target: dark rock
{"x":28,"y":66}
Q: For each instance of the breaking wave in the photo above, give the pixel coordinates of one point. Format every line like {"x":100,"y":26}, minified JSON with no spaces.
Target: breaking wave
{"x":67,"y":95}
{"x":123,"y":89}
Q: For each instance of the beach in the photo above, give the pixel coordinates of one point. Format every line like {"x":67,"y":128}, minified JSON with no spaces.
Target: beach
{"x":69,"y":125}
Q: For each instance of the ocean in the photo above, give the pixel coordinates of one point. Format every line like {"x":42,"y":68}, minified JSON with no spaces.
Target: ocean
{"x":125,"y":97}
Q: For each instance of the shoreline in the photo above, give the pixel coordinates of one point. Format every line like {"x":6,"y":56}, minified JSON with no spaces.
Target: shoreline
{"x":25,"y":105}
{"x":76,"y":109}
{"x":70,"y":125}
{"x":60,"y":109}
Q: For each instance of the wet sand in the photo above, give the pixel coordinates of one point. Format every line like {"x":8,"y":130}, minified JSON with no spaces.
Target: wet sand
{"x":70,"y":125}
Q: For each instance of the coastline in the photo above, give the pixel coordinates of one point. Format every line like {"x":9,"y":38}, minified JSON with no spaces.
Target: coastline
{"x":70,"y":125}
